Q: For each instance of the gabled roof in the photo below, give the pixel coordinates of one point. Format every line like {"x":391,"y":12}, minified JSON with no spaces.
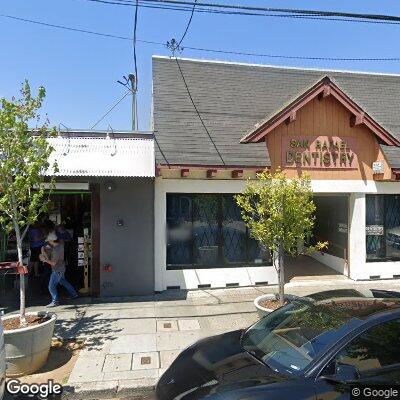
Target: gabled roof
{"x":323,"y":88}
{"x":233,"y":97}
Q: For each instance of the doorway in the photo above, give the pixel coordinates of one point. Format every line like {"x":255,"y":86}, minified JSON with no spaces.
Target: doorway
{"x":70,"y":215}
{"x":331,"y":225}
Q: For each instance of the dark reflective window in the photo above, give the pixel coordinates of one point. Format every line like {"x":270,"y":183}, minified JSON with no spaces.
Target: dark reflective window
{"x":383,"y":227}
{"x":377,"y":348}
{"x":206,"y":231}
{"x":331,"y":223}
{"x":290,"y":338}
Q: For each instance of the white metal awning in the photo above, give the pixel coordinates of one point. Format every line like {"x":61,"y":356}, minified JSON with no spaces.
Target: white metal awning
{"x":103,"y":156}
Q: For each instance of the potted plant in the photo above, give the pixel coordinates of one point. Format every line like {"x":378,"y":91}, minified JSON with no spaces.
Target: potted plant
{"x":24,"y":195}
{"x":279,"y":213}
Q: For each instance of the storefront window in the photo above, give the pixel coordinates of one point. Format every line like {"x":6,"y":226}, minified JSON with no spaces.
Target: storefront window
{"x":383,"y":227}
{"x":206,"y":231}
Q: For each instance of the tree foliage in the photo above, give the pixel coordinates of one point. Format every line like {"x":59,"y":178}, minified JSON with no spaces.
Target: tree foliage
{"x":279,"y":213}
{"x":24,"y":154}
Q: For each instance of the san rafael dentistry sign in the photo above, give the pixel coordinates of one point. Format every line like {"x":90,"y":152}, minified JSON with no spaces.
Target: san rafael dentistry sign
{"x":321,"y":152}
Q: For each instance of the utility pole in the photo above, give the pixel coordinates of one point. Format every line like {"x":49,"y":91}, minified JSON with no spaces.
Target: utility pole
{"x":130,"y":83}
{"x":132,"y":80}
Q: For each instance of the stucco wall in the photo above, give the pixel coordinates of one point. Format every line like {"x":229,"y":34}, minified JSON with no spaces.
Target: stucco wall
{"x":190,"y":279}
{"x":129,"y":249}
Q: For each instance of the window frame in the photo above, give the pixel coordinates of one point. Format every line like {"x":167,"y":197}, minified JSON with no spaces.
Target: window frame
{"x":385,"y":208}
{"x":331,"y":355}
{"x":220,"y":243}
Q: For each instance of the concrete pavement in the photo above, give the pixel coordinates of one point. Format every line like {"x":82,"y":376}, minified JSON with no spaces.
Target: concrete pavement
{"x":129,"y":342}
{"x":147,"y":336}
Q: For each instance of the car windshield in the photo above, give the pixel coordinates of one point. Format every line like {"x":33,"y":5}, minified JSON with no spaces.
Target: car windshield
{"x":290,"y":338}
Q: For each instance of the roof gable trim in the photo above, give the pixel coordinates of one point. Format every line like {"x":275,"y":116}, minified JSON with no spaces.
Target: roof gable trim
{"x":325,"y":87}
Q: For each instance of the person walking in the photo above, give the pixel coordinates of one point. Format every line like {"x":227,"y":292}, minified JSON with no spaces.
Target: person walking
{"x":54,"y":256}
{"x":36,"y":242}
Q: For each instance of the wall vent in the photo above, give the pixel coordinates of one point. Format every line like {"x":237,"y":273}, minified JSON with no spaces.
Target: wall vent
{"x":396,"y":276}
{"x":375,"y":277}
{"x":204,"y":286}
{"x":173,"y":287}
{"x":233,"y":284}
{"x":261,"y":283}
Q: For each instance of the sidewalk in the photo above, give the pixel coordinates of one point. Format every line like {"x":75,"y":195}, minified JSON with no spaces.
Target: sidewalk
{"x":129,"y":342}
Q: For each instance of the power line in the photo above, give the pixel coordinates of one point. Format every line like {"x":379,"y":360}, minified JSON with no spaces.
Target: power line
{"x":159,"y":148}
{"x":188,"y":24}
{"x":177,"y":46}
{"x":201,"y":49}
{"x":197,"y":111}
{"x":260,"y":11}
{"x":187,"y":87}
{"x":240,"y":53}
{"x":112,"y":108}
{"x":78,"y":29}
{"x":282,"y":10}
{"x":64,"y":27}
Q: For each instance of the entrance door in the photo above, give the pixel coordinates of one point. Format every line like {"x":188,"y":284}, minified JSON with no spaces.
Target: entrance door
{"x":72,"y":215}
{"x":331,"y":225}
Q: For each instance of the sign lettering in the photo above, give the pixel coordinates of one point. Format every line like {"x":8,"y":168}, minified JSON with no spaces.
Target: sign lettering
{"x":322,"y":152}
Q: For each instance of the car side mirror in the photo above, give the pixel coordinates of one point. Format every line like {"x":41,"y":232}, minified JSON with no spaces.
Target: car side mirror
{"x":347,"y":373}
{"x":344,"y":373}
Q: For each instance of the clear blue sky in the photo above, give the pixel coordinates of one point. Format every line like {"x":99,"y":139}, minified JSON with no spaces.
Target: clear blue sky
{"x":80,"y":71}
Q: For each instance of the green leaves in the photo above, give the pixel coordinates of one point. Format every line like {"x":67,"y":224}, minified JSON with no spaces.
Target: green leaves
{"x":279,"y":211}
{"x":24,"y":154}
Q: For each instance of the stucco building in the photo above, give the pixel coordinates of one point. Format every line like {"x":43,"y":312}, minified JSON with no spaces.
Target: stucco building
{"x":341,"y":127}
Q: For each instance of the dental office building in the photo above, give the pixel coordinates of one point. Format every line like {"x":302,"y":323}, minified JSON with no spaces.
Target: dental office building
{"x":155,"y":211}
{"x":342,"y":128}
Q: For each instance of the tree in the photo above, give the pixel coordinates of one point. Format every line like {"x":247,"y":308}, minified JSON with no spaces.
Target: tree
{"x":24,"y":162}
{"x":280,"y":215}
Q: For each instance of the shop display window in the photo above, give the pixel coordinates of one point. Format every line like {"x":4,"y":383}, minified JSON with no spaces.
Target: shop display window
{"x":383,"y":227}
{"x":206,"y":231}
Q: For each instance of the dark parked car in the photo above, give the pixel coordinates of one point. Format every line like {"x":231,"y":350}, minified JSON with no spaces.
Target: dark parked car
{"x":312,"y":348}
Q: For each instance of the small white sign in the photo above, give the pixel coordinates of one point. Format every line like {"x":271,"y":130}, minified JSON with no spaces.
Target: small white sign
{"x":374,"y":230}
{"x":378,"y":167}
{"x":342,"y":227}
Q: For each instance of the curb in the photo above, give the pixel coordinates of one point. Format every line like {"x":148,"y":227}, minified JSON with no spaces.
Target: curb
{"x":109,"y":389}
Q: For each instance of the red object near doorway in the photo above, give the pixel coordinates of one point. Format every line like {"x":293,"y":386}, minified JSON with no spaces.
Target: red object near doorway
{"x":19,"y":268}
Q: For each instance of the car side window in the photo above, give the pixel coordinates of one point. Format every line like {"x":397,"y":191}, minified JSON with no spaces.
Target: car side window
{"x":374,"y":349}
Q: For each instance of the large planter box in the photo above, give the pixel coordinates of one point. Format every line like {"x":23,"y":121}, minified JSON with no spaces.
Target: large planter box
{"x":27,"y":348}
{"x":262,"y":311}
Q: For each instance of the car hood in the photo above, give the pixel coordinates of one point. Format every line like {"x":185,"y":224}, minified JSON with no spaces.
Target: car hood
{"x":215,"y":365}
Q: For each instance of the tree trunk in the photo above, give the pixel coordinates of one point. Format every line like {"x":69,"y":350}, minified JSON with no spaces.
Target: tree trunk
{"x":281,"y":274}
{"x":21,"y":278}
{"x":279,"y":267}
